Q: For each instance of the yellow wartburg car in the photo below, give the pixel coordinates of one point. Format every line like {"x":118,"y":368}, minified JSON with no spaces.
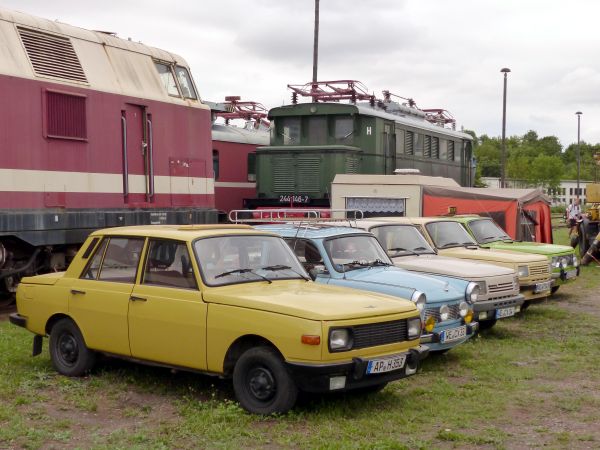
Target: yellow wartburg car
{"x":222,"y":300}
{"x":452,"y":240}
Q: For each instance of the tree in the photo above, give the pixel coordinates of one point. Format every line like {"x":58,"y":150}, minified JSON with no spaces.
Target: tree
{"x":545,"y":171}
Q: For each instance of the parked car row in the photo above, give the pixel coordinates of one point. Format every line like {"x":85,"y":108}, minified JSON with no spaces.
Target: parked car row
{"x":279,"y":308}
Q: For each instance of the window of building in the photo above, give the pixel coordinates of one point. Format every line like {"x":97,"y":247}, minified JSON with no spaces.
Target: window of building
{"x":252,"y":167}
{"x":185,"y":83}
{"x":168,"y":264}
{"x":66,"y":116}
{"x":317,"y":130}
{"x":290,"y":130}
{"x":166,"y":78}
{"x":216,"y":164}
{"x":343,"y":130}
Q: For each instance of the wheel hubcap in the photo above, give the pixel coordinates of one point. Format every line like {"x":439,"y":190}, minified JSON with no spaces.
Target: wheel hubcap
{"x":68,"y":350}
{"x":262,"y":384}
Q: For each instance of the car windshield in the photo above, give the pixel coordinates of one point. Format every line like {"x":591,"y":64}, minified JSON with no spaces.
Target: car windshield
{"x":449,"y":234}
{"x":241,"y":259}
{"x":401,"y":240}
{"x":355,"y":251}
{"x":486,"y":230}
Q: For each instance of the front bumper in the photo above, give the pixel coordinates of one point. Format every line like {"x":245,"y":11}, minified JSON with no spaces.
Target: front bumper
{"x":529,"y":292}
{"x":316,"y":378}
{"x":565,"y":275}
{"x":433,"y":340}
{"x":492,"y":305}
{"x":18,"y":320}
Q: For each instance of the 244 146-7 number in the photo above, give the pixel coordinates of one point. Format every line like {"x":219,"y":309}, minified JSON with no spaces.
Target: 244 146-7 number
{"x":293,"y":198}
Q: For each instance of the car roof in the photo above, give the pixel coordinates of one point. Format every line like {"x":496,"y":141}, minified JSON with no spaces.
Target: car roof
{"x":375,"y":221}
{"x":465,"y":218}
{"x":315,"y":231}
{"x":179,"y":232}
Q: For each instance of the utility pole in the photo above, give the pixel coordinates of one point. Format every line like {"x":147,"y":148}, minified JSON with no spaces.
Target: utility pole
{"x":578,"y":113}
{"x":505,"y":71}
{"x":316,"y":47}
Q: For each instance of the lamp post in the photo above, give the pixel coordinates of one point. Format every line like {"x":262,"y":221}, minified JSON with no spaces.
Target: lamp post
{"x":578,"y":113}
{"x":505,"y":71}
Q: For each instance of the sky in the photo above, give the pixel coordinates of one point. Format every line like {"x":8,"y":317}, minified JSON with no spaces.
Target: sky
{"x":444,"y":54}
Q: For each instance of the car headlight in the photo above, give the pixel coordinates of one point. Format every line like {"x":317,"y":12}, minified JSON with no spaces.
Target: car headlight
{"x":523,"y":271}
{"x":419,"y":299}
{"x":340,"y":339}
{"x":414,"y":328}
{"x":463,"y":309}
{"x":472,"y":292}
{"x":516,"y":281}
{"x":555,"y":262}
{"x":444,"y":312}
{"x":575,"y":261}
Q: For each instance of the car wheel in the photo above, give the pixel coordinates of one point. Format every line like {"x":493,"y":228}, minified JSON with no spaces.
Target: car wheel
{"x":486,"y":324}
{"x":262,"y":384}
{"x":68,"y":351}
{"x":584,"y":245}
{"x":554,"y":289}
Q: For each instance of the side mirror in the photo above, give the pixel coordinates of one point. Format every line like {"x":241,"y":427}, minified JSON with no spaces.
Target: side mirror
{"x":318,"y":270}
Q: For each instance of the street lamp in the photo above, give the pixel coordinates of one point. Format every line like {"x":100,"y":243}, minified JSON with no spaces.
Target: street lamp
{"x":578,"y":113}
{"x":505,"y":71}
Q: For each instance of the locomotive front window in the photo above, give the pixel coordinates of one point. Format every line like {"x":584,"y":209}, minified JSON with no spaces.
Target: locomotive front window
{"x":167,"y":79}
{"x":252,"y":167}
{"x":185,"y":83}
{"x":343,"y":130}
{"x":317,"y":130}
{"x":290,"y":130}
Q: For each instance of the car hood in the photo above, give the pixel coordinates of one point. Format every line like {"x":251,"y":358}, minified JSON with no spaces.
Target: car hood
{"x":492,"y":255}
{"x":531,"y":247}
{"x":308,"y":300}
{"x":436,"y":288}
{"x":454,"y":267}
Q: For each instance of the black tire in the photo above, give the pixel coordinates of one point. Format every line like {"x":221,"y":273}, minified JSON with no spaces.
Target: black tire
{"x":554,"y":289}
{"x":262,"y":384}
{"x":68,"y":352}
{"x":486,"y":324}
{"x":525,"y":305}
{"x":584,"y":245}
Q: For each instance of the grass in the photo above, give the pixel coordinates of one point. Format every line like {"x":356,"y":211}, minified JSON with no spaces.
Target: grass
{"x":530,"y":381}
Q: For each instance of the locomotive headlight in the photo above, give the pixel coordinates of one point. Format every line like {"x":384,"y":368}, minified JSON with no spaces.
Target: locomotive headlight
{"x":419,"y":299}
{"x":463,"y":309}
{"x":340,"y":339}
{"x":444,"y":312}
{"x":414,"y":328}
{"x":472,"y":292}
{"x":523,"y":271}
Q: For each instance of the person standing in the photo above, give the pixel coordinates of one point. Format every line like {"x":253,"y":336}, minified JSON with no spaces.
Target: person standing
{"x":573,"y":213}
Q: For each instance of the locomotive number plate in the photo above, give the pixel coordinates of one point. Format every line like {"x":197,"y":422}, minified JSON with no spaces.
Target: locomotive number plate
{"x":292,"y":198}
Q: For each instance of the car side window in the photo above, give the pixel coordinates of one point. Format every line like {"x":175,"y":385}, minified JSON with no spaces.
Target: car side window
{"x":168,"y":264}
{"x":121,"y":259}
{"x":93,"y":267}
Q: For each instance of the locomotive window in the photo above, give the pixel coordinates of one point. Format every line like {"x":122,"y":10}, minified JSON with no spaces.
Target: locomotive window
{"x":399,"y":141}
{"x":252,"y":167}
{"x":443,"y":149}
{"x":317,"y":130}
{"x":290,"y":130}
{"x":185,"y":83}
{"x":343,"y":129}
{"x":418,"y":144}
{"x":167,"y":79}
{"x":216,"y":164}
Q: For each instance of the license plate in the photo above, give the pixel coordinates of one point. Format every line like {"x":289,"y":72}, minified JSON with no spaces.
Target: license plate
{"x":541,"y":287}
{"x":453,"y":334}
{"x":501,"y":313}
{"x":386,"y":364}
{"x":571,"y":274}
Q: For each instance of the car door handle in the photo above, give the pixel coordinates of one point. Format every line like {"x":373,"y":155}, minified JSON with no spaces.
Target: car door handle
{"x":76,"y":291}
{"x":137,"y":299}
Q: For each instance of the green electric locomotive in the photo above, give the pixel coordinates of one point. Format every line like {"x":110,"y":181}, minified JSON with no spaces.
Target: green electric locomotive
{"x":312,"y":142}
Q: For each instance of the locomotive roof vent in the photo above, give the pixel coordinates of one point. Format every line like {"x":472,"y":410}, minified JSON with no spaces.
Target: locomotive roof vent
{"x":52,"y":55}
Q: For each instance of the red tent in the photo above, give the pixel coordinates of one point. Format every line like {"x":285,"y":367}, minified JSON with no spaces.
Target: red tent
{"x":523,"y":213}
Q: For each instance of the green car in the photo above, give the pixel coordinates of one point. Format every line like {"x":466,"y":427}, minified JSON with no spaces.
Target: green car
{"x":488,"y":234}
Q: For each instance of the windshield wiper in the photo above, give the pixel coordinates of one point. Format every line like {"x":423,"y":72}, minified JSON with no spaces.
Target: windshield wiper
{"x":379,"y":262}
{"x":229,"y":272}
{"x":449,"y":244}
{"x":400,"y":249}
{"x":278,"y":267}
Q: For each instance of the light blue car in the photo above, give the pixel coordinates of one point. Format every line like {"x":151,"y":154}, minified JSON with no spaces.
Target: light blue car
{"x":354,"y":258}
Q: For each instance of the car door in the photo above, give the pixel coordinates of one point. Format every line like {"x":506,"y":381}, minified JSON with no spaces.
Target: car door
{"x":100,"y":297}
{"x":167,"y":316}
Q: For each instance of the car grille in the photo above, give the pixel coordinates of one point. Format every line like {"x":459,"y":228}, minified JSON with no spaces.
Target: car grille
{"x":500,"y":287}
{"x":435,"y":312}
{"x":539,"y":269}
{"x":373,"y":334}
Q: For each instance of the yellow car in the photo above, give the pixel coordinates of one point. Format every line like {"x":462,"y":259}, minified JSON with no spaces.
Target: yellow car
{"x":222,"y":300}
